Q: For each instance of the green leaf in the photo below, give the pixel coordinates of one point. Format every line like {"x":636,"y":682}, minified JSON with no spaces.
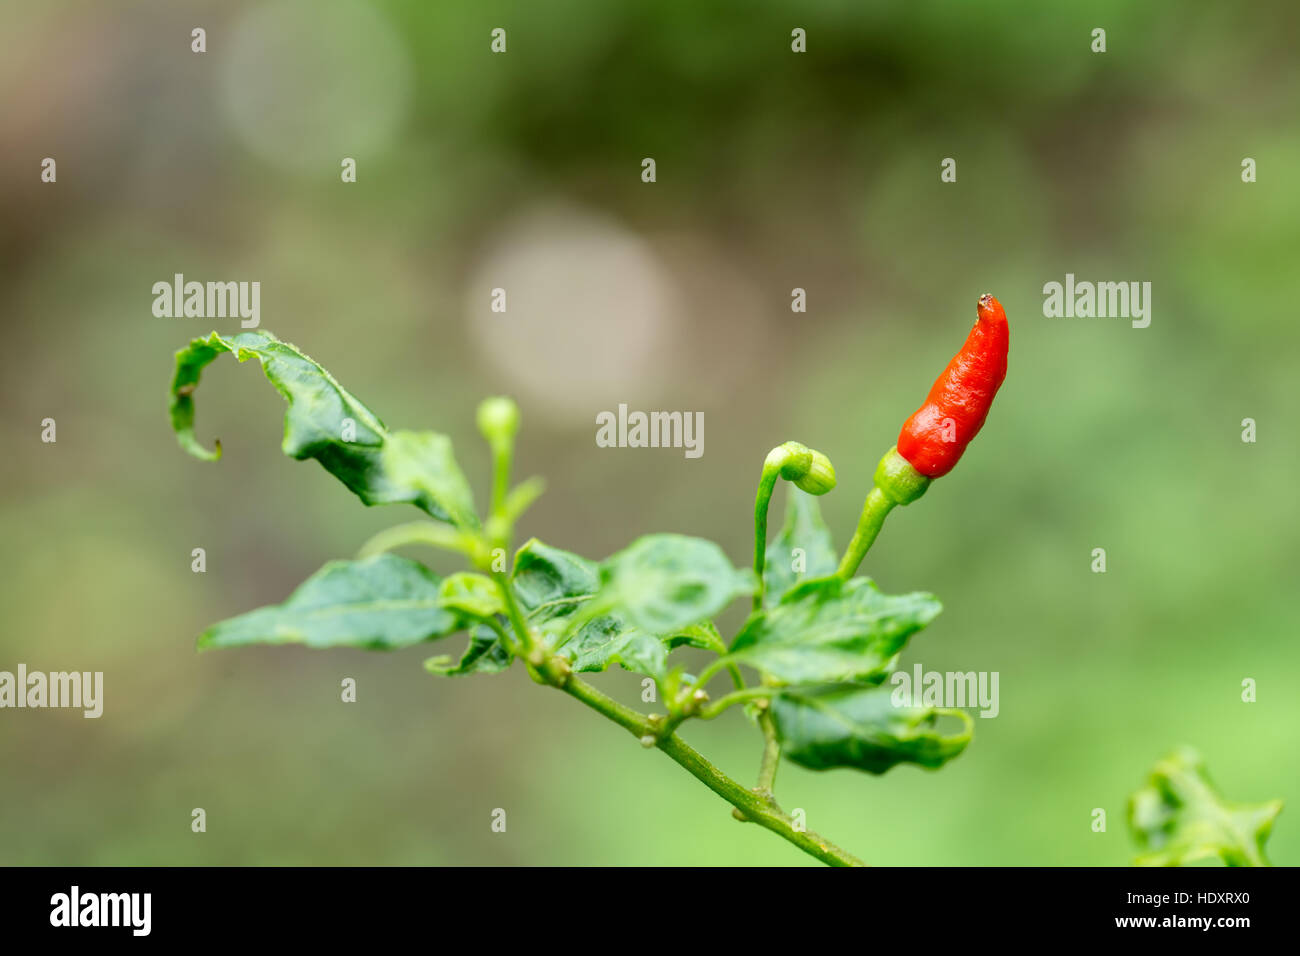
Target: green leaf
{"x":320,"y":413}
{"x":826,"y":631}
{"x":549,"y":585}
{"x":848,"y":725}
{"x":383,"y":602}
{"x":424,"y":461}
{"x":805,"y":531}
{"x":664,"y":583}
{"x":604,"y":641}
{"x":553,"y":585}
{"x":598,"y":644}
{"x":483,"y":655}
{"x":1179,"y":818}
{"x":472,"y":595}
{"x":703,"y":635}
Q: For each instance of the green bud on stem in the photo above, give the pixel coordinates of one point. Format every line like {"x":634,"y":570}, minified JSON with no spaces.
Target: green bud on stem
{"x":809,"y":470}
{"x":498,"y":419}
{"x":791,"y":460}
{"x":820,"y":477}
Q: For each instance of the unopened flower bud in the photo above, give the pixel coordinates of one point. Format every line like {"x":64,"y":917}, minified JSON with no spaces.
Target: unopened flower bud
{"x":793,"y":458}
{"x":820,"y":477}
{"x":810,"y":470}
{"x":498,"y":419}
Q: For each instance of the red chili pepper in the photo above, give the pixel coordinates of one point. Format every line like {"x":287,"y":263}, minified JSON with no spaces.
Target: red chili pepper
{"x":936,"y":435}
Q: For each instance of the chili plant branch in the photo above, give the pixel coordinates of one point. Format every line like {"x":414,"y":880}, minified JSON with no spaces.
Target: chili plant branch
{"x":771,"y":756}
{"x":751,"y":806}
{"x":821,"y":640}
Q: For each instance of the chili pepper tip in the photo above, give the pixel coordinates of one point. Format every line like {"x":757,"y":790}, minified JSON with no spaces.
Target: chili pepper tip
{"x":990,"y":308}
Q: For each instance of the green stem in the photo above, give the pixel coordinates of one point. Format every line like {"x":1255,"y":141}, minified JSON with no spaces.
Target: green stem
{"x":419,"y":532}
{"x":712,"y":668}
{"x":771,"y":756}
{"x":719,"y":647}
{"x":766,"y":485}
{"x":736,"y":677}
{"x":513,"y":613}
{"x":502,"y":453}
{"x":749,"y":805}
{"x":735,"y":697}
{"x":874,"y":511}
{"x":624,"y":716}
{"x":543,"y":667}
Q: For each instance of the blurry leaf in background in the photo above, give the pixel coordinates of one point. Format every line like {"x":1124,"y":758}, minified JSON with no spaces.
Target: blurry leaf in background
{"x":1179,"y":818}
{"x":849,"y":725}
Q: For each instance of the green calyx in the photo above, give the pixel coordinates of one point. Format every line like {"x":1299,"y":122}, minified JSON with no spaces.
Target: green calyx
{"x":896,"y":483}
{"x":898,"y":480}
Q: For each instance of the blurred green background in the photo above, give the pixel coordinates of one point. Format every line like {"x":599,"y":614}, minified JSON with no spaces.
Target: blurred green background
{"x":522,"y":171}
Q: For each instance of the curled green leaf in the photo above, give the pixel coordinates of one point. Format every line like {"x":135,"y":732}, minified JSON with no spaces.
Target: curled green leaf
{"x":325,"y":422}
{"x":483,"y":655}
{"x":849,"y":725}
{"x":1179,"y":818}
